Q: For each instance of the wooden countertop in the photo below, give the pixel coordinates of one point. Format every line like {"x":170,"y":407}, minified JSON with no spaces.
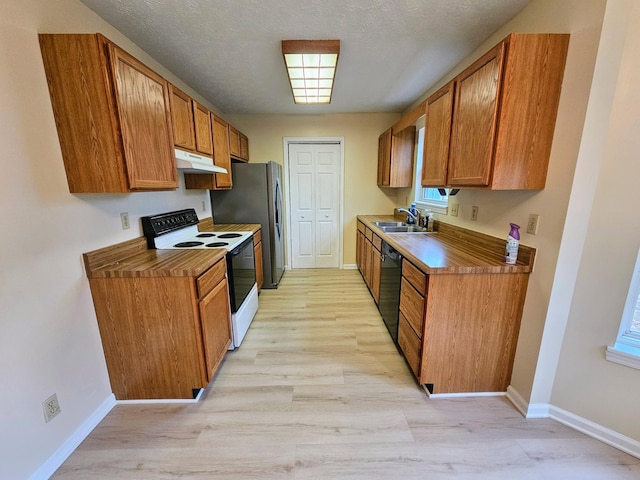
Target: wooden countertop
{"x":452,"y":249}
{"x":207,"y":225}
{"x":133,"y":259}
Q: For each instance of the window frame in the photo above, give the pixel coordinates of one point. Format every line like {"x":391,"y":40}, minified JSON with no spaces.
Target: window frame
{"x":626,"y":349}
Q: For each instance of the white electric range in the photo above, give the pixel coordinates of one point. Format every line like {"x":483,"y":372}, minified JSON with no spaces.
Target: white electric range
{"x":179,"y":230}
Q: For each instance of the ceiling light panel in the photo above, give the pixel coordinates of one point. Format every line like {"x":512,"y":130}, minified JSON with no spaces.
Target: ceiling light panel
{"x":311,"y":66}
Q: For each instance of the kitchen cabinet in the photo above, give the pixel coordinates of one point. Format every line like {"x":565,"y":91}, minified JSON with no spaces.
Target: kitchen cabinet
{"x":244,"y":147}
{"x":459,"y":332}
{"x":238,"y":144}
{"x":369,"y":259}
{"x":395,"y":157}
{"x":182,"y":115}
{"x":202,"y":120}
{"x":257,"y":255}
{"x":221,"y":158}
{"x":504,"y":114}
{"x":437,"y":134}
{"x":163,"y":336}
{"x":112,"y":115}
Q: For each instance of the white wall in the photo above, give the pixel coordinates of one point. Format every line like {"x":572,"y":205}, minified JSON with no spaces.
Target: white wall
{"x":49,"y":341}
{"x":605,"y":206}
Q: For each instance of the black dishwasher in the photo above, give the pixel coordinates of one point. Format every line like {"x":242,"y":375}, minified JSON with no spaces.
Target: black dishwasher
{"x":390,"y":275}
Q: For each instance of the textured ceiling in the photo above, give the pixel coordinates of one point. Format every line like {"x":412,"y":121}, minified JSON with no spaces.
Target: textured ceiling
{"x":391,"y":52}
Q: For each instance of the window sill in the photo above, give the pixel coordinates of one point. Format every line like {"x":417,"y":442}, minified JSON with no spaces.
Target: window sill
{"x":624,"y":355}
{"x":435,"y":208}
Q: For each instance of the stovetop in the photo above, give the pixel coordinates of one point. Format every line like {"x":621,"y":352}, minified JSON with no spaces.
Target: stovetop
{"x":179,"y":230}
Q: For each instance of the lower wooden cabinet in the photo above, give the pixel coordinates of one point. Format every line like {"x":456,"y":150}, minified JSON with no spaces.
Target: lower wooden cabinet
{"x":163,"y":337}
{"x":369,"y":259}
{"x":459,"y":332}
{"x":257,"y":254}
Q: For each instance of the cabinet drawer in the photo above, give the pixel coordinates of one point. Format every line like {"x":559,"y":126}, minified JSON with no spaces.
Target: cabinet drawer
{"x":377,"y":242}
{"x":257,"y":237}
{"x":412,"y":306}
{"x":409,"y":344}
{"x":415,"y":277}
{"x":361,"y":227}
{"x":211,"y":278}
{"x":368,"y":233}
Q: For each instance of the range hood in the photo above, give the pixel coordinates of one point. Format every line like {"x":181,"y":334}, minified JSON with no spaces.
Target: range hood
{"x":192,"y":163}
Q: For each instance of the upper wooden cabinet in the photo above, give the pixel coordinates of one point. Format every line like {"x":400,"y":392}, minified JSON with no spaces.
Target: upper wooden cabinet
{"x":221,"y":158}
{"x":395,"y":157}
{"x":191,"y":123}
{"x":184,"y":135}
{"x":504,"y":115}
{"x":202,"y":118}
{"x":435,"y":158}
{"x":112,"y":114}
{"x":238,"y":144}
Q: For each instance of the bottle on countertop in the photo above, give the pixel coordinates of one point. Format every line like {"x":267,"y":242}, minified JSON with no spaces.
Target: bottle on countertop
{"x":414,"y":212}
{"x":513,"y":242}
{"x":427,"y":220}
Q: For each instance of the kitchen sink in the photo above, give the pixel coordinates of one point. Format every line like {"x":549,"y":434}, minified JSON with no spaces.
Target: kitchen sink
{"x":403,"y":229}
{"x":390,"y":224}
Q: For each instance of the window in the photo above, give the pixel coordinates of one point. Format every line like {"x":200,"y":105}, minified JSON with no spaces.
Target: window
{"x":427,"y":197}
{"x":627,"y":347}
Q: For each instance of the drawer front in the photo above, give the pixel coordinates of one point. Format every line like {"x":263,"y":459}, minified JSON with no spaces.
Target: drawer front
{"x":412,"y":306}
{"x":211,"y":278}
{"x":361,"y":227}
{"x":414,"y":276}
{"x":410,"y":345}
{"x":257,"y":237}
{"x":368,"y":233}
{"x":377,"y":242}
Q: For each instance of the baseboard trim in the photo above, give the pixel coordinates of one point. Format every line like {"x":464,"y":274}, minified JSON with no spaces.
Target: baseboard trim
{"x":48,"y":468}
{"x":597,"y":431}
{"x":592,"y":429}
{"x":151,"y":401}
{"x":349,"y":266}
{"x":463,"y":394}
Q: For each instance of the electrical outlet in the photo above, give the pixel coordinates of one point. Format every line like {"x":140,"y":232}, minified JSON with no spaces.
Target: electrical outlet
{"x":124,"y":219}
{"x":51,"y":408}
{"x":474,"y":213}
{"x":532,"y":224}
{"x":204,"y":206}
{"x":453,"y":209}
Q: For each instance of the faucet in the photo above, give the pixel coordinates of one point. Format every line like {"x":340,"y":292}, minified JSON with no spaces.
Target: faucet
{"x":409,"y":214}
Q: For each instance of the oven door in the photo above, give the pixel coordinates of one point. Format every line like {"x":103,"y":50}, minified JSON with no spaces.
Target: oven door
{"x":241,"y":270}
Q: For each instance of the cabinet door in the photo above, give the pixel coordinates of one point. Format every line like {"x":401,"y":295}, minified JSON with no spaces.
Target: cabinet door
{"x":474,"y":120}
{"x":182,"y":116}
{"x":244,"y":147}
{"x":403,"y":144}
{"x":384,"y":158}
{"x":234,"y":142}
{"x":221,"y":152}
{"x":360,"y":251}
{"x":368,"y":247}
{"x":203,"y":129}
{"x":215,"y":318}
{"x":142,"y":99}
{"x":437,"y":137}
{"x":257,"y":255}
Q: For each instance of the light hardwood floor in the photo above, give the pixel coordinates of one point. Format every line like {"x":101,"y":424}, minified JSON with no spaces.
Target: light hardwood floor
{"x":318,"y":391}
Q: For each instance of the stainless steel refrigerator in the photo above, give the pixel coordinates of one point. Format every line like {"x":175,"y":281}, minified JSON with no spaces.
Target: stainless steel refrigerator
{"x":256,"y":197}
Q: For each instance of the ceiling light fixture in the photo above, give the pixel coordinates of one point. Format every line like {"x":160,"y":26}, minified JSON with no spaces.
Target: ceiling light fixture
{"x":311,"y":67}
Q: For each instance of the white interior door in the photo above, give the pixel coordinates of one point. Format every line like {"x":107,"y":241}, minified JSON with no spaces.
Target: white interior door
{"x":314,"y":179}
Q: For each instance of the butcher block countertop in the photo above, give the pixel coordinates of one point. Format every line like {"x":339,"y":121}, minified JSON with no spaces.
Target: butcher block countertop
{"x":206,"y":225}
{"x":451,"y":249}
{"x":133,"y":259}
